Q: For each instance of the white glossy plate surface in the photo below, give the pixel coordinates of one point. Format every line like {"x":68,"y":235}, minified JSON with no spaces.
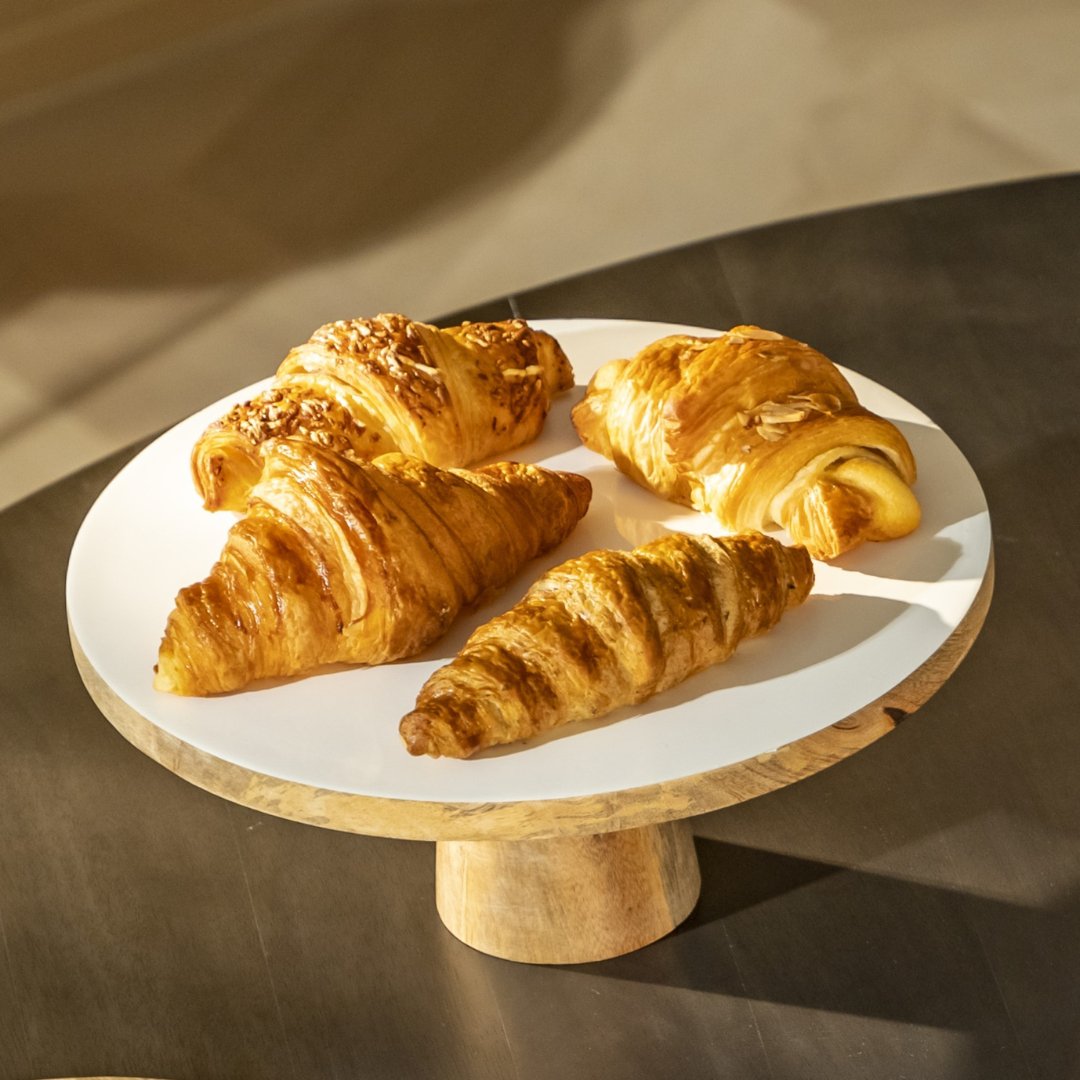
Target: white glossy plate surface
{"x":873,"y":618}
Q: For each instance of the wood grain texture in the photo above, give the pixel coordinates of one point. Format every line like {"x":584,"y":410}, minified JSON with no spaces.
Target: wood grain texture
{"x":568,"y":900}
{"x":578,"y":816}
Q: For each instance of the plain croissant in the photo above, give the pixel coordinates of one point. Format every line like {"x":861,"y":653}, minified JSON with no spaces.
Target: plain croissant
{"x":365,"y":387}
{"x":357,"y":562}
{"x":607,"y":629}
{"x":756,"y":429}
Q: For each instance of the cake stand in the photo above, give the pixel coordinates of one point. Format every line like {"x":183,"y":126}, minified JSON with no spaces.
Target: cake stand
{"x":577,"y":845}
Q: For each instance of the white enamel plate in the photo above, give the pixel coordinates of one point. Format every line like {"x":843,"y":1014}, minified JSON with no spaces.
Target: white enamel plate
{"x":873,"y":618}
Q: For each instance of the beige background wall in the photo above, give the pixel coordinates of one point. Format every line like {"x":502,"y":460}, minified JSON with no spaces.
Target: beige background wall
{"x":188,"y":187}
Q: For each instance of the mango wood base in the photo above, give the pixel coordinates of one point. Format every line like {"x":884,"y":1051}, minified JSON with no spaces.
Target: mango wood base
{"x":568,"y":899}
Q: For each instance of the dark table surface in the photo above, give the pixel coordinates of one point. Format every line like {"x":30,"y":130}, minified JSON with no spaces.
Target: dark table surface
{"x":911,"y":912}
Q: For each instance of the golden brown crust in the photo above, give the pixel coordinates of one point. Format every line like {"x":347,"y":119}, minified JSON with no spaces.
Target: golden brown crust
{"x":364,"y":387}
{"x":607,"y":629}
{"x":744,"y":426}
{"x":338,"y":561}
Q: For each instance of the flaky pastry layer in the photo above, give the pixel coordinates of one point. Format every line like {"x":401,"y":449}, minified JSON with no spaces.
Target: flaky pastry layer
{"x":607,"y":629}
{"x":364,"y":387}
{"x":758,"y":430}
{"x":339,"y":561}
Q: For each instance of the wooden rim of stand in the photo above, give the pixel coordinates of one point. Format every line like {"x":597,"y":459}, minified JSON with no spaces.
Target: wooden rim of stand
{"x":574,"y":816}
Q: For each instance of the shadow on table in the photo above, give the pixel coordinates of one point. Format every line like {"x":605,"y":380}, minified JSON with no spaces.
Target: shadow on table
{"x":263,"y":144}
{"x":780,"y":930}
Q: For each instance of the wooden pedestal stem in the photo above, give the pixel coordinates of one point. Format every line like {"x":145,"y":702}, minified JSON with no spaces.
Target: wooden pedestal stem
{"x":568,"y":899}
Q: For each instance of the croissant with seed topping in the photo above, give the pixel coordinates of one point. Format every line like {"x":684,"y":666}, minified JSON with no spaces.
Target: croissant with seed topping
{"x":365,"y":387}
{"x":758,"y":430}
{"x":608,"y":629}
{"x":338,"y":561}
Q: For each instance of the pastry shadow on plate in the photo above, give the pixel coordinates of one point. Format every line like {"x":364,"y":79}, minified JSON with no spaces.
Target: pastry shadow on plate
{"x":945,"y":490}
{"x":919,"y":559}
{"x":277,"y":682}
{"x":944,"y":486}
{"x":923,"y":557}
{"x":830,"y":626}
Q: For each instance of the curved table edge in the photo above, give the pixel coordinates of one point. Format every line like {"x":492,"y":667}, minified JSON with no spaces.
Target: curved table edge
{"x":573,"y":816}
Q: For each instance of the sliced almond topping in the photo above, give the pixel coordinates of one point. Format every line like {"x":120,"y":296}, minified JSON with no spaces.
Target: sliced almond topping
{"x":771,"y":432}
{"x":825,"y":403}
{"x":772,"y":412}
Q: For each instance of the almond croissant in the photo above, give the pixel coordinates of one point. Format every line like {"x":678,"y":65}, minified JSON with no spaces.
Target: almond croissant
{"x":365,"y":387}
{"x":357,"y":562}
{"x":756,"y":429}
{"x":608,"y":629}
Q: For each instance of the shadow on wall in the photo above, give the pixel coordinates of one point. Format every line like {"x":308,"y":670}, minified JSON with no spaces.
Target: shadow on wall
{"x":296,"y":137}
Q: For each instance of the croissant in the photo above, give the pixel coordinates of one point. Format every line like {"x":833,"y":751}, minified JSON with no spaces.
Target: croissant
{"x":365,"y":387}
{"x":756,"y":429}
{"x":357,"y":562}
{"x":607,"y":629}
